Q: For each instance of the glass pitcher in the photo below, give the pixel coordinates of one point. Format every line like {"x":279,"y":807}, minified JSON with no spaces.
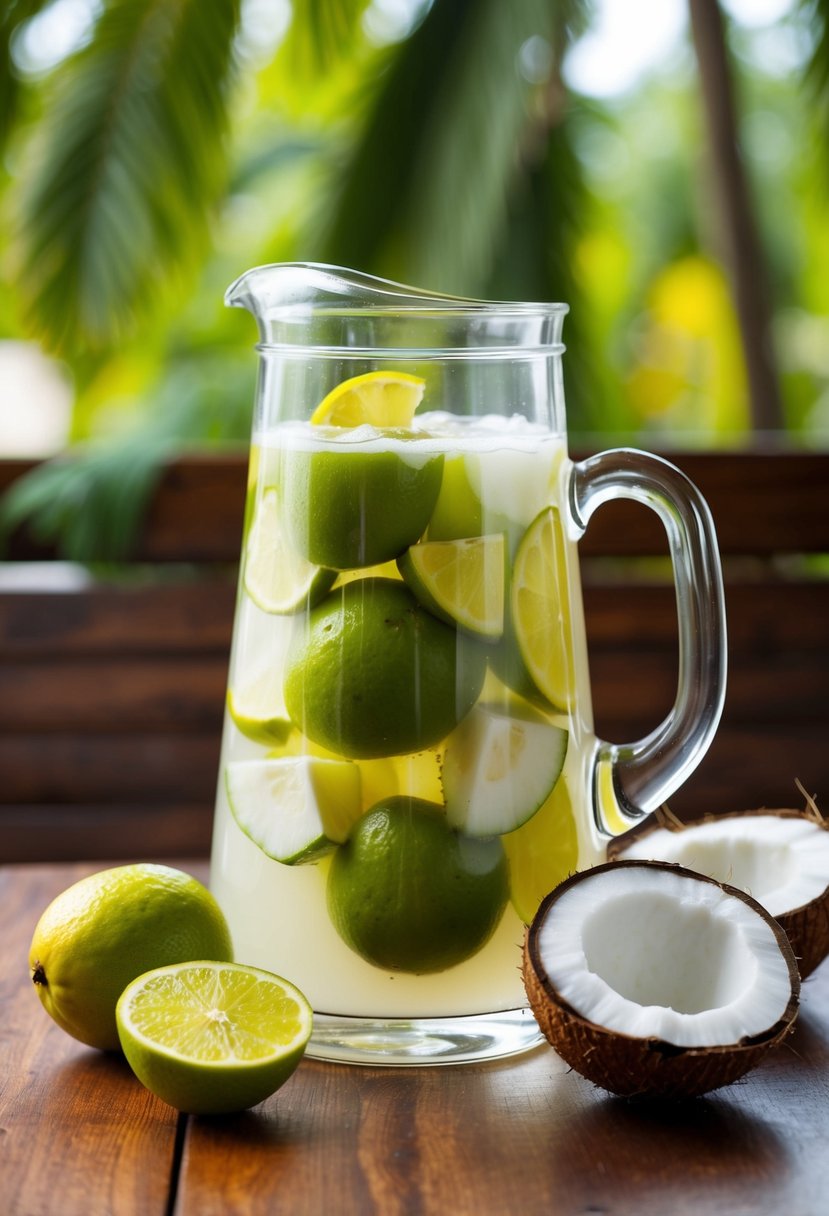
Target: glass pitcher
{"x":409,"y":762}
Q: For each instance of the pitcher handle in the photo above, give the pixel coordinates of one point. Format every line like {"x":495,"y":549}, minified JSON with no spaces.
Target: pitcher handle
{"x":645,"y":773}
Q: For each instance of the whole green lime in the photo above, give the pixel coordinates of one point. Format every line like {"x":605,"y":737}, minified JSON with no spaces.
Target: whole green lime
{"x":409,"y":893}
{"x":376,"y":674}
{"x":105,"y":930}
{"x":349,"y":509}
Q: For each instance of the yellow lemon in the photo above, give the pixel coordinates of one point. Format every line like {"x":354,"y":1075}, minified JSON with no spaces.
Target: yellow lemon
{"x":105,"y":930}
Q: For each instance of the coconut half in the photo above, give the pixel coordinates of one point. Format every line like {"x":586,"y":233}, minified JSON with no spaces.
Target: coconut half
{"x":780,"y":857}
{"x":647,"y":978}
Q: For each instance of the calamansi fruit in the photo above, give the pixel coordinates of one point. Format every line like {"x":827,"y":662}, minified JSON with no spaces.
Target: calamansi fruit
{"x":408,"y":893}
{"x":112,"y":926}
{"x":376,"y":674}
{"x":211,"y":1038}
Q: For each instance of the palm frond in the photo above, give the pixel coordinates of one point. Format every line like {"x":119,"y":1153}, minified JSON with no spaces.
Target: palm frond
{"x":273,"y":154}
{"x":535,"y":252}
{"x":88,"y":504}
{"x":816,"y":13}
{"x":131,"y":160}
{"x":425,"y":192}
{"x":14,"y":14}
{"x":321,"y":33}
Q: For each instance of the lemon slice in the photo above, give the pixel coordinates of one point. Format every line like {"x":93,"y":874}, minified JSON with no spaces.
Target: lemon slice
{"x":460,"y":581}
{"x":540,"y":603}
{"x":211,"y":1038}
{"x":295,"y":808}
{"x":277,"y":578}
{"x":542,"y":852}
{"x":381,"y":399}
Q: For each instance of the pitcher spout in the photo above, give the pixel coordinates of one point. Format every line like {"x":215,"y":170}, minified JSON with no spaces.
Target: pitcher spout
{"x":313,"y":304}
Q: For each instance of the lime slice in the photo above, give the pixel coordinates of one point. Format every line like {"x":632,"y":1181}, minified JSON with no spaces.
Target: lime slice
{"x":295,"y":808}
{"x":460,"y":581}
{"x":277,"y":578}
{"x":251,"y":711}
{"x":540,"y":604}
{"x":499,"y":768}
{"x":211,"y":1038}
{"x":381,"y":399}
{"x":542,"y":852}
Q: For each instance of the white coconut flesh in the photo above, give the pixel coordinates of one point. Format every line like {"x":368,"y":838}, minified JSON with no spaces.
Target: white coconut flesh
{"x":783,"y":862}
{"x":659,"y":955}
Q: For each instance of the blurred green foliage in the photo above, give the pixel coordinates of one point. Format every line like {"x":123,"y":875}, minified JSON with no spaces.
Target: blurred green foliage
{"x":184,"y":142}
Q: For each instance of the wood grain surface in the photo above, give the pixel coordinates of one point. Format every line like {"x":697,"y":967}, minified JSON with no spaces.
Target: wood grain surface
{"x":78,"y":1134}
{"x":523,"y":1137}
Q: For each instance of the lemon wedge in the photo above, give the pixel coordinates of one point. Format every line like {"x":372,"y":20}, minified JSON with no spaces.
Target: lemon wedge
{"x":381,"y":399}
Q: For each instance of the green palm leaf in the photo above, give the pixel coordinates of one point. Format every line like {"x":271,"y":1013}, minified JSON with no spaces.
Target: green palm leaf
{"x":90,"y":502}
{"x":13,"y":15}
{"x":817,"y":13}
{"x":425,"y":192}
{"x":321,"y":33}
{"x":130,"y":162}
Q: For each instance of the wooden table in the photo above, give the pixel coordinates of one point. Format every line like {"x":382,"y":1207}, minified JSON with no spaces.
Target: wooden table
{"x":78,"y":1134}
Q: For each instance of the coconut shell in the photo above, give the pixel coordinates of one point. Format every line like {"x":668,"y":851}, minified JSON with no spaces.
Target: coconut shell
{"x":636,"y":1067}
{"x":806,"y":927}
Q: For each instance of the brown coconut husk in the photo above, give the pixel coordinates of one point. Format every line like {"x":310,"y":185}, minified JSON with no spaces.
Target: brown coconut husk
{"x":636,"y":1067}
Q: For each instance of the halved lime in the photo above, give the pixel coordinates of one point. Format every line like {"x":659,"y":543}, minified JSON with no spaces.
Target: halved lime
{"x":460,"y":581}
{"x":381,"y":399}
{"x":542,"y":852}
{"x":211,"y":1038}
{"x":295,"y":808}
{"x":540,"y":604}
{"x":499,"y":767}
{"x":277,"y":578}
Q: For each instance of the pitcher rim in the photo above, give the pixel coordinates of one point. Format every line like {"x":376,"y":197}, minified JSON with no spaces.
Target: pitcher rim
{"x":373,"y":296}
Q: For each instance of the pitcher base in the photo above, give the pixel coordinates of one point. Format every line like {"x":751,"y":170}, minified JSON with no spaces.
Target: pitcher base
{"x":423,"y":1041}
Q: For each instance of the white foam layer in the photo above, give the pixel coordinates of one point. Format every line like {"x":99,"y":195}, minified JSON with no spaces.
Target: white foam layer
{"x":433,"y":432}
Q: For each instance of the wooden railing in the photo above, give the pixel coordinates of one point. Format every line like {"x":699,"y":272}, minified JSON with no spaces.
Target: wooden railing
{"x":112,"y":691}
